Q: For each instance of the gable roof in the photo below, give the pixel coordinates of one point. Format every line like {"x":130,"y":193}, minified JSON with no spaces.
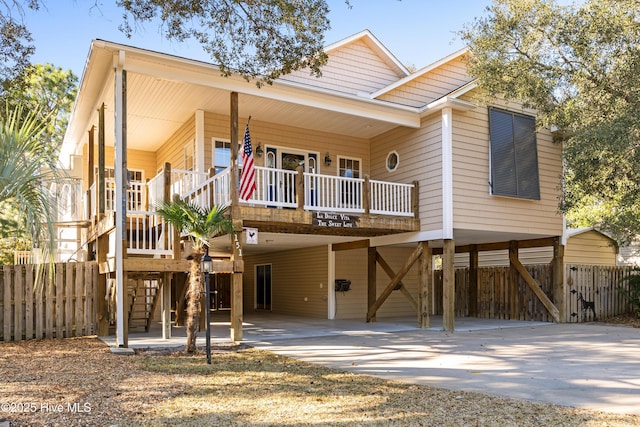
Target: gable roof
{"x":375,"y":45}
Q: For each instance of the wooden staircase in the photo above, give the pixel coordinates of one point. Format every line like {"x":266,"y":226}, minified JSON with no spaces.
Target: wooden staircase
{"x":143,"y":294}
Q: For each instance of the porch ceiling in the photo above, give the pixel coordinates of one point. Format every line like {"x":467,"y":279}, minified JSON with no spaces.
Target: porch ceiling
{"x":157,"y":107}
{"x":275,"y":242}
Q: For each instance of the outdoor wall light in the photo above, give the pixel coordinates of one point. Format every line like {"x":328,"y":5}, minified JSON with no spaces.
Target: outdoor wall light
{"x":327,"y":159}
{"x":259,"y":150}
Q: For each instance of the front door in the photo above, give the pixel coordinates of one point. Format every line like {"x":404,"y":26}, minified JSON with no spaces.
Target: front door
{"x":221,"y":290}
{"x":263,"y":287}
{"x":282,"y":187}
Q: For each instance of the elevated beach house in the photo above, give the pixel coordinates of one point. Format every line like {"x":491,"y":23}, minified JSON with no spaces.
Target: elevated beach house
{"x":361,"y":177}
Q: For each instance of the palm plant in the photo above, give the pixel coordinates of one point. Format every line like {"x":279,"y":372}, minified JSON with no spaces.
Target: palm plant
{"x":199,"y":225}
{"x":26,"y":168}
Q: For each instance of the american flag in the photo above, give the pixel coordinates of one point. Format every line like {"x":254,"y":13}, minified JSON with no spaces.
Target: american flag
{"x":248,"y":176}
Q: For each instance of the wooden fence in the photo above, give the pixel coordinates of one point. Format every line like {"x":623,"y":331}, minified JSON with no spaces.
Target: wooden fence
{"x":64,"y":307}
{"x":498,"y":298}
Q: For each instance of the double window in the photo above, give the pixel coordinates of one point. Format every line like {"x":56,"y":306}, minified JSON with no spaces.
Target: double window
{"x":514,"y":155}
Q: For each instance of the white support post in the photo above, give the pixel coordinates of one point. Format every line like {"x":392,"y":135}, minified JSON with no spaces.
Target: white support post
{"x":447,"y":173}
{"x":331,"y":278}
{"x":120,"y":169}
{"x":200,"y":151}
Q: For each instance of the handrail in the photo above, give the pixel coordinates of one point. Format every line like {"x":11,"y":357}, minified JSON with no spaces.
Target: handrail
{"x":148,"y":233}
{"x":333,"y":193}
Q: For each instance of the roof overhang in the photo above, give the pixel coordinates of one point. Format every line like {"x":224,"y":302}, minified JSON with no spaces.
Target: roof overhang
{"x":163,"y":91}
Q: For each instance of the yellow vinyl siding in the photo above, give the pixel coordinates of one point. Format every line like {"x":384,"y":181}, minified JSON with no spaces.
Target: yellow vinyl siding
{"x":591,"y":248}
{"x":282,"y":137}
{"x":475,"y":208}
{"x":354,"y":68}
{"x":588,"y":248}
{"x":420,"y":153}
{"x":172,"y":150}
{"x":430,"y":86}
{"x":136,"y":160}
{"x":352,"y":265}
{"x":295,"y":275}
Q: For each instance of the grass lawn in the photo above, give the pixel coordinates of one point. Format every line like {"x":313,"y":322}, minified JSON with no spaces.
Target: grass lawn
{"x":80,"y":382}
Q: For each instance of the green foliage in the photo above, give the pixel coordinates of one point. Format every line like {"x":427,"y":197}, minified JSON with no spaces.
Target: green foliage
{"x":577,"y":66}
{"x":25,"y":169}
{"x":16,"y":45}
{"x":196,"y":222}
{"x":50,"y":91}
{"x":260,"y":40}
{"x":631,"y":291}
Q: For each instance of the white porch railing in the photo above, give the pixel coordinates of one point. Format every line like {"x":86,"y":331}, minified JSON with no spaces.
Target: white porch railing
{"x":333,"y":193}
{"x":390,"y":198}
{"x":214,"y":190}
{"x":274,"y":188}
{"x":148,"y":234}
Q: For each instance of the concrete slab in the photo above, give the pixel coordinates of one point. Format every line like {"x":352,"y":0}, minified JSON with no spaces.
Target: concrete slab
{"x":588,"y":365}
{"x":581,"y":365}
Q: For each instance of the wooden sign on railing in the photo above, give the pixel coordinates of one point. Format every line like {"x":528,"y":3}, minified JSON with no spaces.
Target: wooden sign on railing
{"x":334,"y":220}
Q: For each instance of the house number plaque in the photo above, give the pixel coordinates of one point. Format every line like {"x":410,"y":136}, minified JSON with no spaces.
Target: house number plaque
{"x":335,"y":220}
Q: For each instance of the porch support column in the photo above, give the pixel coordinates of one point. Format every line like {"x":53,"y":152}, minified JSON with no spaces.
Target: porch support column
{"x":514,"y":278}
{"x":91,"y":175}
{"x":559,"y":286}
{"x":372,"y":254}
{"x":331,"y":277}
{"x":233,"y":180}
{"x":120,"y":168}
{"x":236,"y":283}
{"x":167,"y":279}
{"x":100,"y":190}
{"x":425,"y":279}
{"x":448,"y":286}
{"x":473,"y":281}
{"x":200,"y":143}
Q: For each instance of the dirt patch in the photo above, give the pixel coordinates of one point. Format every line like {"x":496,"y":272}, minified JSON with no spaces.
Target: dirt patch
{"x":627,"y":319}
{"x":79,"y":382}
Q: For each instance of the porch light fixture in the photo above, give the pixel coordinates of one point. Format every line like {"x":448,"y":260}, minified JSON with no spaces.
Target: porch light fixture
{"x":327,"y":159}
{"x":259,"y":150}
{"x":206,"y":265}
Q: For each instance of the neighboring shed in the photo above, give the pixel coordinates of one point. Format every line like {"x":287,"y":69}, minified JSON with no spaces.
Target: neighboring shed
{"x":584,"y":246}
{"x":590,"y":247}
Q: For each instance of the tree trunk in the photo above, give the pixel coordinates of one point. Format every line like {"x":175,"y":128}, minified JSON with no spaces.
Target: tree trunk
{"x":193,"y":301}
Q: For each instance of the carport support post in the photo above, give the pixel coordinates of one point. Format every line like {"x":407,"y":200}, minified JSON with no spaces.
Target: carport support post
{"x":372,"y":254}
{"x":473,"y":281}
{"x":425,"y":278}
{"x":514,"y":278}
{"x":236,"y":283}
{"x":558,"y":278}
{"x":448,"y":286}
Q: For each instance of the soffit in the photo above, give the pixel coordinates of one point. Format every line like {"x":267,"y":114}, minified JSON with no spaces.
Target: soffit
{"x":163,"y":92}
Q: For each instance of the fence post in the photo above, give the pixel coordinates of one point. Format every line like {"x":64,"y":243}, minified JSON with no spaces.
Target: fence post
{"x":559,"y":286}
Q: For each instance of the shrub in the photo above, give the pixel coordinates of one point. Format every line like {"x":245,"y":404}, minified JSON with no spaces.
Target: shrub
{"x":630,"y":287}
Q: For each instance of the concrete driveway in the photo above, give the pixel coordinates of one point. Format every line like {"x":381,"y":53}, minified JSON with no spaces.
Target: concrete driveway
{"x":590,"y":365}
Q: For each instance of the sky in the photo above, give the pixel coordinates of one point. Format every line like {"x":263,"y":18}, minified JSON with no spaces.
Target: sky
{"x":417,"y":32}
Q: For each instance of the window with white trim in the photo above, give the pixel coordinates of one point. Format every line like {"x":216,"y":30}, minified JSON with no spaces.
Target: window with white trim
{"x":514,"y":155}
{"x":348,"y":167}
{"x":221,"y":156}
